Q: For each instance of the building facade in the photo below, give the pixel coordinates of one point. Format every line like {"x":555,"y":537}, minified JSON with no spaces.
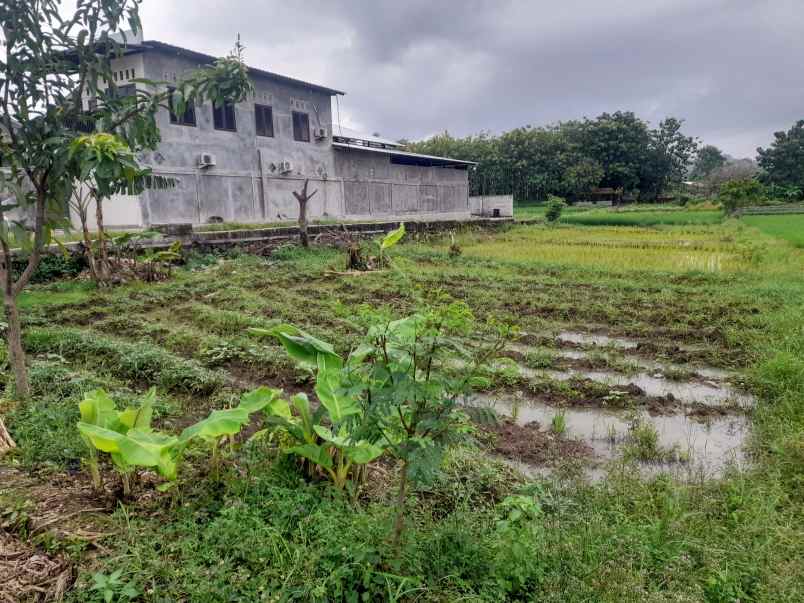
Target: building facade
{"x":242,"y":163}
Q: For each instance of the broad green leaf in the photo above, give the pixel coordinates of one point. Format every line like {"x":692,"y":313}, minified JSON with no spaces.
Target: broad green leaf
{"x":393,"y":237}
{"x":302,"y":405}
{"x":150,"y":449}
{"x":101,"y":438}
{"x":218,"y":424}
{"x":306,"y":348}
{"x":327,"y":435}
{"x":140,"y":418}
{"x":97,"y":408}
{"x":259,"y":399}
{"x":363,"y":452}
{"x":317,"y":454}
{"x":339,"y":405}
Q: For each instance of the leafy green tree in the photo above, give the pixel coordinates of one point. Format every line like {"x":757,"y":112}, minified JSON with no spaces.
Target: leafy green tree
{"x":619,"y":143}
{"x":783,"y":161}
{"x":51,"y":62}
{"x":668,"y":157}
{"x":741,"y":193}
{"x":709,"y":159}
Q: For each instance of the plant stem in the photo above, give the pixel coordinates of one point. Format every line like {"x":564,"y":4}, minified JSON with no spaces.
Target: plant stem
{"x":399,"y":524}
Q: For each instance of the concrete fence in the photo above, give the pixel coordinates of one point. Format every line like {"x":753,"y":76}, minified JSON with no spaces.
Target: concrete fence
{"x":497,"y":206}
{"x":770,"y":210}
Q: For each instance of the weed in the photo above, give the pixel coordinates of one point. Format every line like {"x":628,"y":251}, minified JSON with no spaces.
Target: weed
{"x":558,"y":424}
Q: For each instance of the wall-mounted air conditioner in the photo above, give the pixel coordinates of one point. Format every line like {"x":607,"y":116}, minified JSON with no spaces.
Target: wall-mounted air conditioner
{"x":206,"y":160}
{"x":320,"y":133}
{"x":285,"y":167}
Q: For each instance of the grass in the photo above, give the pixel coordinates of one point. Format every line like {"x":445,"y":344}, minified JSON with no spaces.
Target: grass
{"x":788,"y":227}
{"x":696,"y":249}
{"x":263,"y":532}
{"x":629,"y":215}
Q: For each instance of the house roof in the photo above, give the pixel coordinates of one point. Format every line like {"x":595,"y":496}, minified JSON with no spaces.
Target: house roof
{"x":348,"y":134}
{"x":206,"y":58}
{"x":413,"y":158}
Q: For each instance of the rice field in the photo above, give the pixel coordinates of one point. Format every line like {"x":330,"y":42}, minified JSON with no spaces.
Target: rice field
{"x":789,"y":227}
{"x":640,"y":215}
{"x":697,"y":249}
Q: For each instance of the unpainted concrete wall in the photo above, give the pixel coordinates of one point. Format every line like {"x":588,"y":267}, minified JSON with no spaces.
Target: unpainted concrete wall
{"x":246,"y":185}
{"x":485,"y":205}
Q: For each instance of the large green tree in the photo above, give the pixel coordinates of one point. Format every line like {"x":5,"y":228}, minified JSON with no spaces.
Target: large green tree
{"x":51,"y":62}
{"x":783,"y":161}
{"x":709,"y":159}
{"x":570,"y":158}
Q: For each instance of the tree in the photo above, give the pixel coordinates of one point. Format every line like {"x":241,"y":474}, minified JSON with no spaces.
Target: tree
{"x":51,"y":62}
{"x":302,"y":197}
{"x":667,"y":159}
{"x":619,"y":143}
{"x":783,"y":161}
{"x":709,"y":159}
{"x":103,"y":165}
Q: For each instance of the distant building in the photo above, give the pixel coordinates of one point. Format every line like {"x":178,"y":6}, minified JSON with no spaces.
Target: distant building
{"x":241,"y":163}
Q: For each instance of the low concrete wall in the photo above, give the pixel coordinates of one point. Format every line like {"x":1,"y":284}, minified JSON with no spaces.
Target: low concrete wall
{"x":485,"y":205}
{"x":269,"y":237}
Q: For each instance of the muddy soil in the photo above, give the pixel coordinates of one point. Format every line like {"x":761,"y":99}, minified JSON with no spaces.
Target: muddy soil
{"x":531,"y":444}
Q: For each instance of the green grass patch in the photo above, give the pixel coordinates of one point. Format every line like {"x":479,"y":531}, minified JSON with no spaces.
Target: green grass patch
{"x":789,"y":227}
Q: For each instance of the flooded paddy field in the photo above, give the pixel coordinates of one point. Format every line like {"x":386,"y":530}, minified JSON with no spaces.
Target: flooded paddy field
{"x":648,"y":411}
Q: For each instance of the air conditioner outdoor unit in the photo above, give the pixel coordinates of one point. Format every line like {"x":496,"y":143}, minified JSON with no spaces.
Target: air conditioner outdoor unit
{"x":320,"y":133}
{"x":285,"y":167}
{"x":206,"y":160}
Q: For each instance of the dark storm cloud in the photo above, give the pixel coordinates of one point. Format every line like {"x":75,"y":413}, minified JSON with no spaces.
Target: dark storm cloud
{"x":731,"y":68}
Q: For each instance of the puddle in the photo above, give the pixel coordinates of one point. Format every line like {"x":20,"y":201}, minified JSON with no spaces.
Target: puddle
{"x":686,"y":392}
{"x":701,"y":448}
{"x":596,"y":340}
{"x":707,"y":372}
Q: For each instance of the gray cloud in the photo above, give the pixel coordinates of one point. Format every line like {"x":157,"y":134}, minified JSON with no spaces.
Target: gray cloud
{"x":730,"y":68}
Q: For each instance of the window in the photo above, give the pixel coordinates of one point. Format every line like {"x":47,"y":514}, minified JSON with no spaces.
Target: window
{"x":301,"y":127}
{"x":187,"y":118}
{"x":264,"y":120}
{"x":224,"y":117}
{"x":127,"y":90}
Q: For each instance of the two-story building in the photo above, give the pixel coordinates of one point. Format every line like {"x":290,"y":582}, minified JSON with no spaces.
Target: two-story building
{"x":241,"y":162}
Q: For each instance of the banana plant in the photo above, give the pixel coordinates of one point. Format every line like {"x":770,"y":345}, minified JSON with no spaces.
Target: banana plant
{"x":130,"y":441}
{"x":335,"y":454}
{"x":98,"y":411}
{"x":391,"y":239}
{"x":228,"y":422}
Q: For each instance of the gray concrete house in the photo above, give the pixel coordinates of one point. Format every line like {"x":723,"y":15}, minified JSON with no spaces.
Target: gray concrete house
{"x":241,"y":163}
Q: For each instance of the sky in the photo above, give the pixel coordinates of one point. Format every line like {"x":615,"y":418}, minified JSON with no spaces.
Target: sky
{"x":732,"y":69}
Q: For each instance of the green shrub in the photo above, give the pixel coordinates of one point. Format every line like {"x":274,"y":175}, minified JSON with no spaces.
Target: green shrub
{"x":52,"y":267}
{"x":741,"y":193}
{"x":555,"y":205}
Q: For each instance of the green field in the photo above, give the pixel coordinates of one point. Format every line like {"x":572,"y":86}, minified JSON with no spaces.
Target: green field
{"x":789,"y":227}
{"x":620,"y":515}
{"x":624,"y":216}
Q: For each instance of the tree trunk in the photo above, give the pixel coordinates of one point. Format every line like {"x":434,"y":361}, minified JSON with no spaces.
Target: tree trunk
{"x":6,"y":442}
{"x":302,"y":197}
{"x":102,"y":264}
{"x":90,"y":253}
{"x":16,"y":354}
{"x":401,"y":497}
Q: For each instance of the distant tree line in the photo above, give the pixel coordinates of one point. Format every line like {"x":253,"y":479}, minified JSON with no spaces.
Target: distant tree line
{"x":618,"y":151}
{"x":615,"y":150}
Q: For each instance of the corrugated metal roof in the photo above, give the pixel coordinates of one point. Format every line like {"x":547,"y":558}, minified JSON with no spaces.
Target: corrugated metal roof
{"x":344,"y":132}
{"x":398,"y":153}
{"x":206,"y":58}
